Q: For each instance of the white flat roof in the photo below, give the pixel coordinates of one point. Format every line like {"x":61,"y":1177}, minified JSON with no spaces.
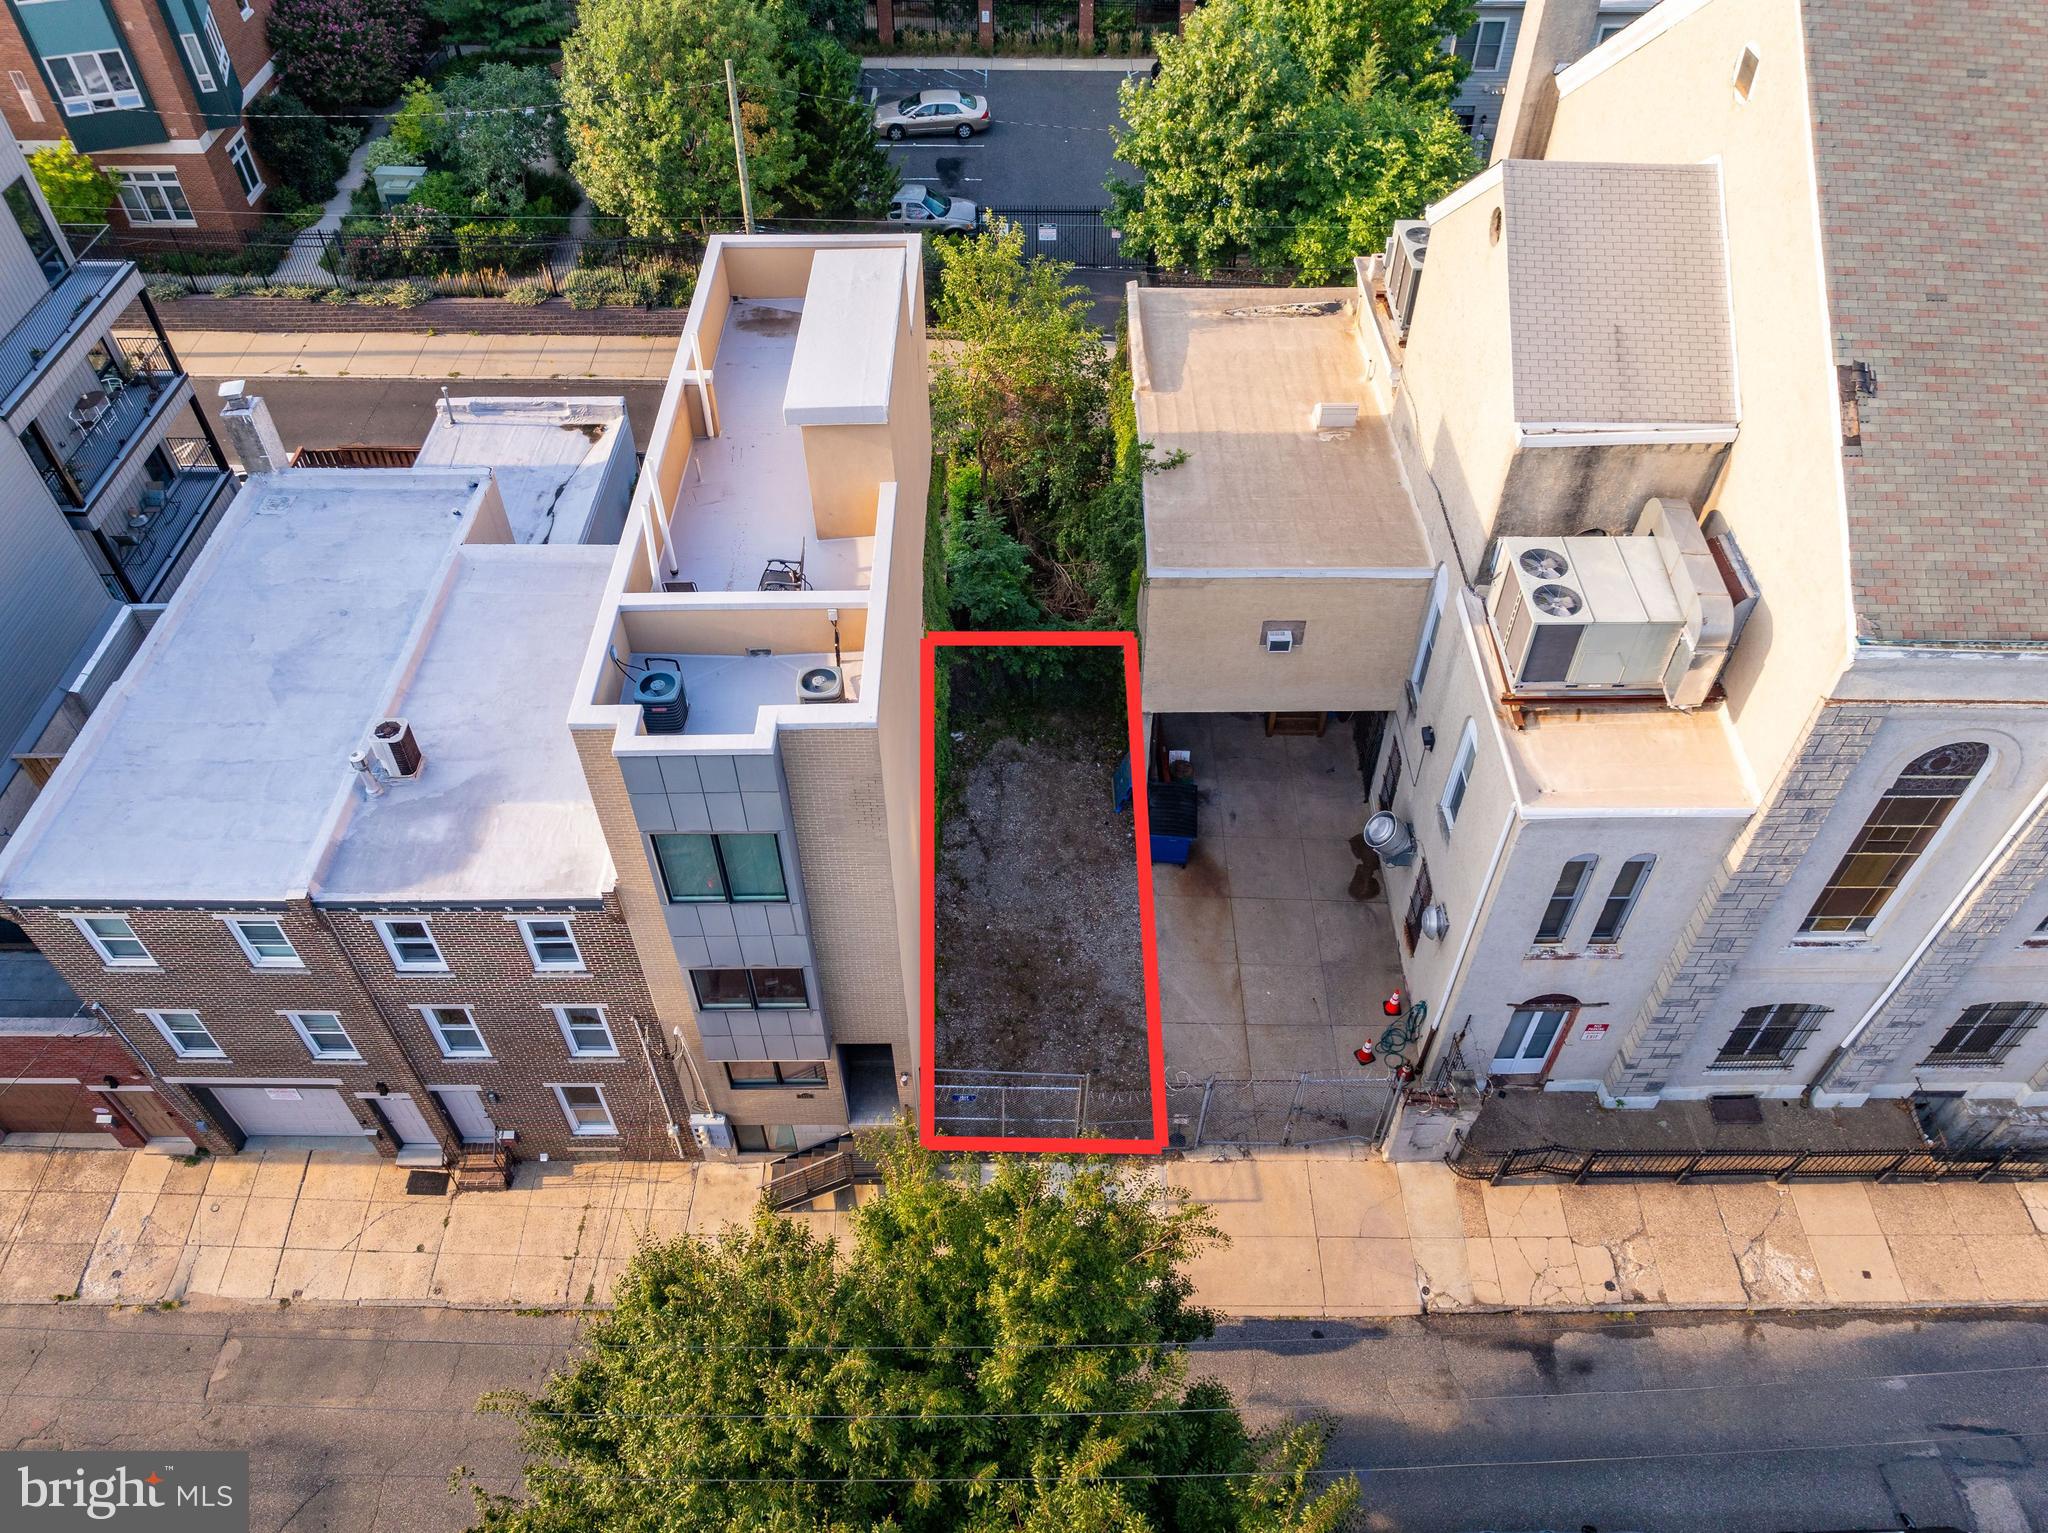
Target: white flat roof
{"x":845,"y":358}
{"x":212,"y":768}
{"x":549,"y":456}
{"x":502,"y":810}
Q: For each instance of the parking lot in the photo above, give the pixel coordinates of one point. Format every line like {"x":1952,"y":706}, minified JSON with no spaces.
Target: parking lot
{"x":1050,"y":145}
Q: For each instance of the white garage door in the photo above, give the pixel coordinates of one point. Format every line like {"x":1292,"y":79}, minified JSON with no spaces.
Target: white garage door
{"x":288,"y":1110}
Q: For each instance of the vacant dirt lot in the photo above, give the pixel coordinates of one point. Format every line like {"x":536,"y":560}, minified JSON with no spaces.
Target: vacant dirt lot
{"x":1039,"y":959}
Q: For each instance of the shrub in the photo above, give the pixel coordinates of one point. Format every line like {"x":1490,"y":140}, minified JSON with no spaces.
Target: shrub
{"x":299,"y":150}
{"x":591,"y":287}
{"x":502,"y":121}
{"x":165,"y":289}
{"x":528,"y":292}
{"x":417,"y":127}
{"x":387,"y":151}
{"x":78,"y":191}
{"x":338,"y":54}
{"x":401,"y":294}
{"x":446,"y":193}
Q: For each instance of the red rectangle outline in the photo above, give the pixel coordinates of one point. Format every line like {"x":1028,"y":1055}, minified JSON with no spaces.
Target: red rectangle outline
{"x":1141,"y":819}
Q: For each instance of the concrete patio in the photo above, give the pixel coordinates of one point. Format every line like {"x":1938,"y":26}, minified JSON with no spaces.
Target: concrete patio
{"x":1268,"y":969}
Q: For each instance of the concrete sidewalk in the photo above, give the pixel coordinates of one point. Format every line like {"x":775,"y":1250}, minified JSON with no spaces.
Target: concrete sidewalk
{"x":398,"y":354}
{"x":1311,"y":1235}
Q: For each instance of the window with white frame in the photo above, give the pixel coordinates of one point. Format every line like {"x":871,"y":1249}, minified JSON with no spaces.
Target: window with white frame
{"x":455,"y":1032}
{"x":412,"y":947}
{"x":202,"y":70}
{"x":1481,"y":43}
{"x":264,"y":942}
{"x":1460,"y":779}
{"x":1564,"y":900}
{"x":323,"y":1034}
{"x":152,"y":196}
{"x":115,"y":941}
{"x":1621,"y":899}
{"x":99,"y":81}
{"x":186,"y":1034}
{"x":587,"y":1031}
{"x":585,"y":1108}
{"x":552,"y":944}
{"x":214,"y":40}
{"x":245,"y":166}
{"x":1419,"y":673}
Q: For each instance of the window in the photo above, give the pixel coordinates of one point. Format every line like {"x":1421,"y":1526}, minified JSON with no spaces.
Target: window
{"x":153,"y":197}
{"x":1984,"y":1035}
{"x":42,"y":240}
{"x":1745,"y":72}
{"x":456,"y":1032}
{"x":584,"y":1107}
{"x":115,"y":941}
{"x":1768,"y":1037}
{"x":100,"y":81}
{"x":757,"y":1137}
{"x":1608,"y":29}
{"x":186,"y":1034}
{"x":552,"y":944}
{"x":202,"y":75}
{"x":323,"y":1034}
{"x":729,"y":989}
{"x":245,"y":166}
{"x":1427,"y":648}
{"x":214,"y":40}
{"x":755,"y":1077}
{"x":1532,"y":1033}
{"x":1564,"y":900}
{"x":1899,"y":829}
{"x":1480,"y":45}
{"x":412,"y":946}
{"x":1621,"y":899}
{"x":1390,"y":779}
{"x":586,"y":1030}
{"x":265,"y":943}
{"x":1418,"y":901}
{"x":1461,"y":777}
{"x":742,"y":869}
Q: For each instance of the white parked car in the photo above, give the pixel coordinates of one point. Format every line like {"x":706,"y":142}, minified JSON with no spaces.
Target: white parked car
{"x":927,"y":210}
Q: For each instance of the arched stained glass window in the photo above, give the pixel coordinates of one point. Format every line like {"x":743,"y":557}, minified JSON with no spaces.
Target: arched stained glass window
{"x":1899,"y":829}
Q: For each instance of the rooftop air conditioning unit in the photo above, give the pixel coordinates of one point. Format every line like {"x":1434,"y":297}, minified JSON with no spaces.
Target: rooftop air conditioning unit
{"x":396,"y":749}
{"x":1584,"y":614}
{"x":821,"y":684}
{"x":1407,"y":247}
{"x":664,"y":706}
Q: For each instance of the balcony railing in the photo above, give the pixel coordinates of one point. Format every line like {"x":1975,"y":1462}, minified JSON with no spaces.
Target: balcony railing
{"x":144,"y":544}
{"x":134,"y":395}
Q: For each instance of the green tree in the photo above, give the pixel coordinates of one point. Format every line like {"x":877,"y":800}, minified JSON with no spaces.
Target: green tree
{"x":644,"y":97}
{"x":417,"y":130}
{"x":298,"y":148}
{"x":844,"y":171}
{"x":983,"y":1356}
{"x":498,"y":123}
{"x":1291,"y":134}
{"x":501,"y":26}
{"x":1025,"y":397}
{"x":78,"y":191}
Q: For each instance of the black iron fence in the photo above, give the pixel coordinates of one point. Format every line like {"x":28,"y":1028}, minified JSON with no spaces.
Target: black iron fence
{"x":1554,"y":1162}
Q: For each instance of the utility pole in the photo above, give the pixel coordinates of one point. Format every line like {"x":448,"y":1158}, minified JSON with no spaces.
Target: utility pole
{"x":739,"y":146}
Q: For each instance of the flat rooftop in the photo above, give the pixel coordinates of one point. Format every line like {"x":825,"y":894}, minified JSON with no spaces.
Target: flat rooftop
{"x":551,"y":457}
{"x":726,"y":693}
{"x":217,"y":768}
{"x":746,"y":496}
{"x":1229,"y":376}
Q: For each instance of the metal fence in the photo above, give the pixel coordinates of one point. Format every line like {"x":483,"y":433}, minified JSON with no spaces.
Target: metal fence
{"x":1929,"y":1165}
{"x":1079,"y":236}
{"x":1020,"y":1103}
{"x":1303,"y":1110}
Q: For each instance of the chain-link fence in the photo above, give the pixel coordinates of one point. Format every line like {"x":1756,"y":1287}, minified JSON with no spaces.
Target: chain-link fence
{"x":1304,"y":1110}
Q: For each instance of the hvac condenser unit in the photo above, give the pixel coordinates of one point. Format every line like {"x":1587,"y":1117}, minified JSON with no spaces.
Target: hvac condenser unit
{"x":1407,"y":247}
{"x":664,"y":706}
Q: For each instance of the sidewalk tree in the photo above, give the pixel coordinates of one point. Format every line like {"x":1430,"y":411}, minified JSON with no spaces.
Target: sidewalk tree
{"x":341,"y":55}
{"x":1291,"y":134}
{"x":643,"y":93}
{"x":982,"y":1355}
{"x":78,"y":191}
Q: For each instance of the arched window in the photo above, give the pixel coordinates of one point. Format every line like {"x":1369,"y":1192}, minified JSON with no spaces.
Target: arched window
{"x":1564,"y":900}
{"x":1621,"y":899}
{"x":1899,"y":829}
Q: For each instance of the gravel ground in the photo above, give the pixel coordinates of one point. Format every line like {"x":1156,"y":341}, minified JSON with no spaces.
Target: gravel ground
{"x":1040,"y":965}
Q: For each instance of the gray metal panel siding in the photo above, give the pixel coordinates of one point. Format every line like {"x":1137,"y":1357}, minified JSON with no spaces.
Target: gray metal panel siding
{"x":615,"y":491}
{"x":52,"y":602}
{"x":21,"y":280}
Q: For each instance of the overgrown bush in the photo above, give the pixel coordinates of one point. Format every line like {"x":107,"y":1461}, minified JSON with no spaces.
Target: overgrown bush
{"x":529,"y":292}
{"x":300,"y":151}
{"x":342,"y":54}
{"x":656,"y":285}
{"x":165,"y":289}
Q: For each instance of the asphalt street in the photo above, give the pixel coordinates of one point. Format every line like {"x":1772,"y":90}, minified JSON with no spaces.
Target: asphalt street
{"x":1583,"y":1424}
{"x":337,"y":412}
{"x":1050,"y":145}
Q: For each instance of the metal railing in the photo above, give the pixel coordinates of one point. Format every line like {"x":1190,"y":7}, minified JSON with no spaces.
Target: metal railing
{"x":1282,"y":1112}
{"x":810,"y":1175}
{"x":1024,"y":1103}
{"x":1930,"y":1164}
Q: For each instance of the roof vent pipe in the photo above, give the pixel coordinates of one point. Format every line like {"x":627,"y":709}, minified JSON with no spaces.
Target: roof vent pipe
{"x":360,"y":760}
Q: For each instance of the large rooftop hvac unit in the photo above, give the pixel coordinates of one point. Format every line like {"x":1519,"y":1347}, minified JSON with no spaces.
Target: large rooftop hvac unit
{"x":664,"y":708}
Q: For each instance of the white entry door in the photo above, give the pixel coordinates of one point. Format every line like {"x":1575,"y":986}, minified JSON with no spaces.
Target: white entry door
{"x":1525,"y":1046}
{"x":404,"y":1115}
{"x":466,"y":1108}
